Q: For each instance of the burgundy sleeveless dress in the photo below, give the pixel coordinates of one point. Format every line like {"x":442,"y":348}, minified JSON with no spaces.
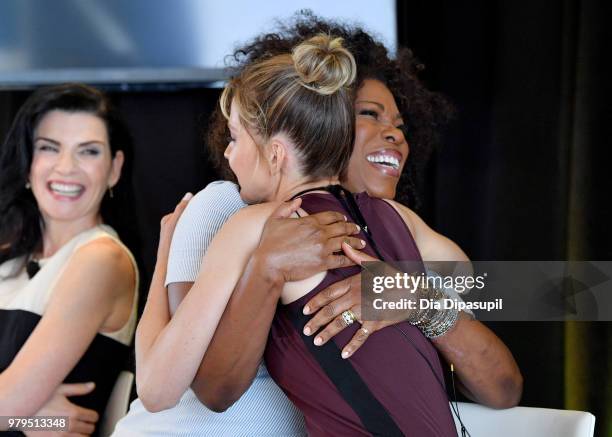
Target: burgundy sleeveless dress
{"x":387,"y":388}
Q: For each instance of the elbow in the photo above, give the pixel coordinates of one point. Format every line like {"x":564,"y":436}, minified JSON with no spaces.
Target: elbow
{"x":153,"y":403}
{"x":155,"y":397}
{"x":515,"y":390}
{"x":218,"y":405}
{"x":509,"y":391}
{"x":218,"y":398}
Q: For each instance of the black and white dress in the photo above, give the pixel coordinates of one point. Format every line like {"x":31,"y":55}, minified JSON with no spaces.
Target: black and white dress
{"x":23,"y":302}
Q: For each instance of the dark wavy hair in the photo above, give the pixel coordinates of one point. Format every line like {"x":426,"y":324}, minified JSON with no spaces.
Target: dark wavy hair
{"x":425,"y":113}
{"x":21,"y":224}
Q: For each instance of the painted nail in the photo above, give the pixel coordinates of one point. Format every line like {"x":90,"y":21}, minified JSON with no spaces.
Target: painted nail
{"x":306,"y":310}
{"x":318,"y":341}
{"x":363,"y":243}
{"x":187,"y":196}
{"x":345,"y":354}
{"x":307,"y":331}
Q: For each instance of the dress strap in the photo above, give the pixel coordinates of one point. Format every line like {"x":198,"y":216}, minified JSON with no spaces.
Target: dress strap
{"x":346,"y":198}
{"x":326,"y":188}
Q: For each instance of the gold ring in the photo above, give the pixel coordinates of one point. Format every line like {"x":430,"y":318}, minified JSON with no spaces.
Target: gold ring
{"x":348,"y":317}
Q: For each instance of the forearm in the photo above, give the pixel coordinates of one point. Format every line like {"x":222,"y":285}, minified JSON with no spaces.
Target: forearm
{"x":170,"y":364}
{"x":168,"y":350}
{"x":236,"y":350}
{"x":14,"y":400}
{"x":154,"y":318}
{"x":485,"y":367}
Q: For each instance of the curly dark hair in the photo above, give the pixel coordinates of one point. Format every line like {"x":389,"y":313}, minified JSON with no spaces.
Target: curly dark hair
{"x":424,"y":112}
{"x":21,"y":224}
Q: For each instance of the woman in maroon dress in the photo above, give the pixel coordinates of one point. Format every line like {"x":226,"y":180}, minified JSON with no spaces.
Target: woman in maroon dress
{"x":292,"y":119}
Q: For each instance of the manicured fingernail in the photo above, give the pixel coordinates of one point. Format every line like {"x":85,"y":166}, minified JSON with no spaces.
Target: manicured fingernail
{"x":187,"y":196}
{"x":358,"y":228}
{"x":345,"y":354}
{"x":318,"y":341}
{"x":345,"y":219}
{"x":363,"y":243}
{"x":306,"y":310}
{"x":307,"y":331}
{"x":91,"y":384}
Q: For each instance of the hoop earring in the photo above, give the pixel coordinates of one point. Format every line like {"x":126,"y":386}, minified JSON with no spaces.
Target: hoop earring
{"x":110,"y":192}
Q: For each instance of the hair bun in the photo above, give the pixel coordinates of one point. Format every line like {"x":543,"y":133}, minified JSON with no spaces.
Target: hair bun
{"x":323,"y":64}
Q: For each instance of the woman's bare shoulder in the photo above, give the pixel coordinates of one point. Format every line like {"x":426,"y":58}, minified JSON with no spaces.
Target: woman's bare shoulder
{"x":411,"y":219}
{"x":254,"y":214}
{"x":432,"y":245}
{"x":107,"y":261}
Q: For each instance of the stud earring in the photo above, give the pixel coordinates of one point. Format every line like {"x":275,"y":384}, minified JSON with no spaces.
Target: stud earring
{"x":27,"y":185}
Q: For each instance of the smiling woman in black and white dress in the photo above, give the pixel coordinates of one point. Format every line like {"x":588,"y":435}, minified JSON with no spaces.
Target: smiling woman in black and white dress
{"x":68,"y":286}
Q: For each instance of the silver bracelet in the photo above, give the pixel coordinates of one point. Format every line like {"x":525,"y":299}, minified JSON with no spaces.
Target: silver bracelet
{"x":424,"y":316}
{"x":433,"y":322}
{"x":442,"y":324}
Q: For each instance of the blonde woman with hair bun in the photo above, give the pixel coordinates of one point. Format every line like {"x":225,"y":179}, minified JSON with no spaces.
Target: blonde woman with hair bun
{"x":304,"y":97}
{"x":314,"y":69}
{"x":292,"y":125}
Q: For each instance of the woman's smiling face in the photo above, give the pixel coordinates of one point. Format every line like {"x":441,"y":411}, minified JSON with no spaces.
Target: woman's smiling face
{"x":72,"y":166}
{"x":380,"y":150}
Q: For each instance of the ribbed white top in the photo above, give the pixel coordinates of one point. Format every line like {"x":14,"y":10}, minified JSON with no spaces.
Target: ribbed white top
{"x":263,"y":410}
{"x":204,"y":216}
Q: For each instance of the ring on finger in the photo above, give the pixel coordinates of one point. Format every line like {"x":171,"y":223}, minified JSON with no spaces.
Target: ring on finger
{"x":365,"y":330}
{"x":348,"y":317}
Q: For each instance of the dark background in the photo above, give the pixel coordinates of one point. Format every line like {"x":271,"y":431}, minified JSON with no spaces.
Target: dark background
{"x":525,"y":170}
{"x":524,"y":173}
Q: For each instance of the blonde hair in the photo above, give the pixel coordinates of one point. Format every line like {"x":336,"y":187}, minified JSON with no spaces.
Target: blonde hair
{"x":307,"y":95}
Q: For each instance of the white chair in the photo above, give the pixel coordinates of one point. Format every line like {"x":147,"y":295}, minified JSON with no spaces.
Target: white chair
{"x":118,"y":403}
{"x":524,"y":422}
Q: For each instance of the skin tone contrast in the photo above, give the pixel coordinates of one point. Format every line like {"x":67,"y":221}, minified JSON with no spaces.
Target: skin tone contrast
{"x":485,"y":367}
{"x":486,"y":370}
